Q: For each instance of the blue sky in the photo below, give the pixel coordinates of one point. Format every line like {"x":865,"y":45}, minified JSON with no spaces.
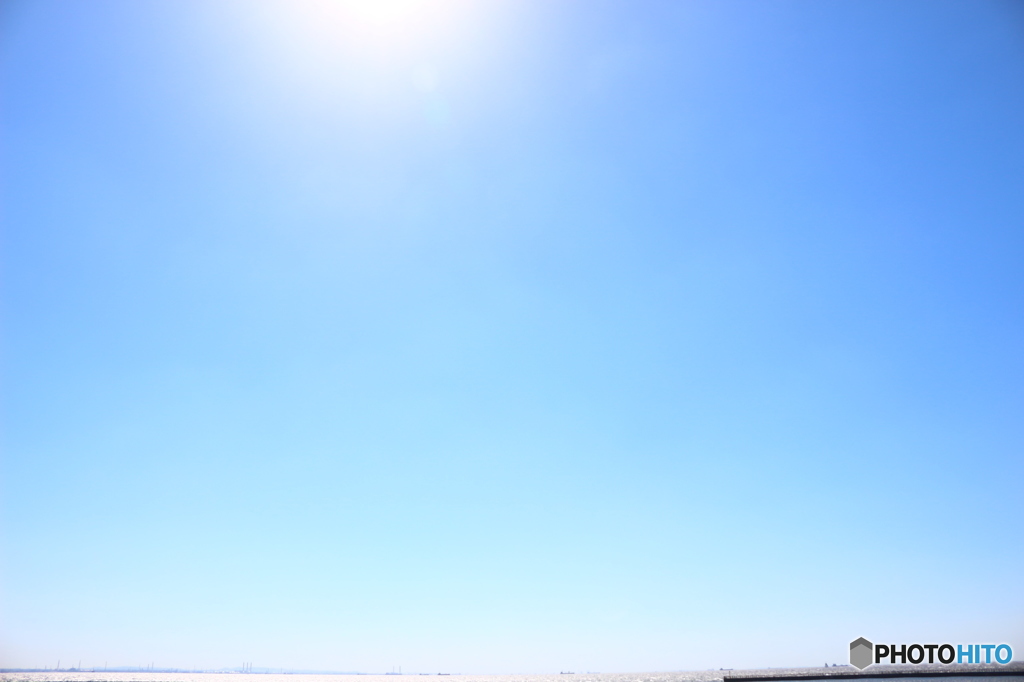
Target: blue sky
{"x":509,"y":336}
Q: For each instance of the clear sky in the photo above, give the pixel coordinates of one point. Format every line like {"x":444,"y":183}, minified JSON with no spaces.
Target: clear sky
{"x":511,"y":336}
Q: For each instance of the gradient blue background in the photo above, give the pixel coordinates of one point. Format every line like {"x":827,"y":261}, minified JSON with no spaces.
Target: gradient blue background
{"x":547,"y":335}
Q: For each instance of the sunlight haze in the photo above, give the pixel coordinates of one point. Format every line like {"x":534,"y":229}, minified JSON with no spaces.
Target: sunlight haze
{"x":511,"y":336}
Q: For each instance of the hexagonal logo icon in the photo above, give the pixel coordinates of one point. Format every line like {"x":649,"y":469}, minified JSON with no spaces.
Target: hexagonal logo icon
{"x":861,"y":653}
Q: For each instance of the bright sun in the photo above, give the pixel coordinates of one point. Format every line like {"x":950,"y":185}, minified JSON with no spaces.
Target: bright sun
{"x":379,"y":20}
{"x":383,"y":12}
{"x":314,"y":45}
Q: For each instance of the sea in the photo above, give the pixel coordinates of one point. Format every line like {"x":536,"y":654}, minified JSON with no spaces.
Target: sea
{"x":1013,"y":672}
{"x":85,"y":676}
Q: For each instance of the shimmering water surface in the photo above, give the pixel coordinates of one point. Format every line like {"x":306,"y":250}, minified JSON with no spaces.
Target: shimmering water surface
{"x":692,"y":676}
{"x":86,"y":676}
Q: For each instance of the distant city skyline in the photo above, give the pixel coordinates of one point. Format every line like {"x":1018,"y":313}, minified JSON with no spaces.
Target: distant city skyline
{"x":509,"y":336}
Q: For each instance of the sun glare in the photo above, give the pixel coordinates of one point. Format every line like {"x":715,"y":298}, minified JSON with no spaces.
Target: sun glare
{"x":383,"y":13}
{"x":308,"y":41}
{"x":290,"y":58}
{"x":385,"y":23}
